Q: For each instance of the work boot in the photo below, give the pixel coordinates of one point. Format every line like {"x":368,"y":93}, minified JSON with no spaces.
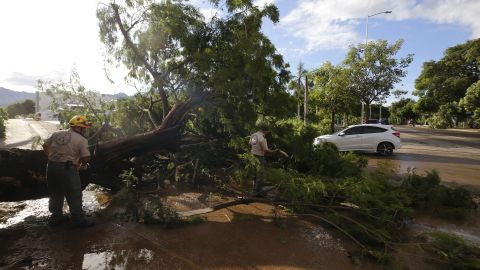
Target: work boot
{"x":57,"y":220}
{"x":83,"y":223}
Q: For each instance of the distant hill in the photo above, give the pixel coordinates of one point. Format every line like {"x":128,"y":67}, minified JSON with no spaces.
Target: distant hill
{"x":8,"y":96}
{"x":108,"y":97}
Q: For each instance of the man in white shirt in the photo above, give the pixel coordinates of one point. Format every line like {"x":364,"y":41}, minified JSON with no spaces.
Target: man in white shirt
{"x":67,"y":151}
{"x":259,"y":148}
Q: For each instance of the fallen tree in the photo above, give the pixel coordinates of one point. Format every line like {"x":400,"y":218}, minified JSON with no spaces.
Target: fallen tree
{"x":173,"y":52}
{"x":22,"y":172}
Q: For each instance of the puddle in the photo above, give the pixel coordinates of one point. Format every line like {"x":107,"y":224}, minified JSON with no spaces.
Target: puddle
{"x":122,"y":259}
{"x":464,"y":233}
{"x":18,"y":212}
{"x":318,"y":236}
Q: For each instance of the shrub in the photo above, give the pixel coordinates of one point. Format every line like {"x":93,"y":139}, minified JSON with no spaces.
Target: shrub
{"x":21,"y":108}
{"x":454,"y":252}
{"x":322,"y":160}
{"x":444,"y":118}
{"x":3,"y":118}
{"x":427,"y":194}
{"x":298,"y":189}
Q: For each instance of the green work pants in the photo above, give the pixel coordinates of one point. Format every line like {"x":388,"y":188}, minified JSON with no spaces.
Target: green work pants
{"x":64,"y":183}
{"x":259,"y":174}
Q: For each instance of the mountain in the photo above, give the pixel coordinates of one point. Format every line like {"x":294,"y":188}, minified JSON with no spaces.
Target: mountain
{"x":108,"y":97}
{"x":8,"y":96}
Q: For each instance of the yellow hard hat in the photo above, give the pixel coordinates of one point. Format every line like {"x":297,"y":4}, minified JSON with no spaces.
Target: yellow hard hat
{"x":80,"y":121}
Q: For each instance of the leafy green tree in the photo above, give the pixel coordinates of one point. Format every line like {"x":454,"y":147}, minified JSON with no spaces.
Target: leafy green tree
{"x":403,"y":110}
{"x":171,"y":48}
{"x":3,"y":118}
{"x":446,"y":117}
{"x":447,"y":80}
{"x":375,"y":69}
{"x":333,"y":87}
{"x":398,"y":93}
{"x":21,"y":108}
{"x":70,"y":97}
{"x":471,"y":101}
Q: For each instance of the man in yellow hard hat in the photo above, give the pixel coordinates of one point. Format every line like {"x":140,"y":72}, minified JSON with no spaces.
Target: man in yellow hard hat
{"x":67,"y":151}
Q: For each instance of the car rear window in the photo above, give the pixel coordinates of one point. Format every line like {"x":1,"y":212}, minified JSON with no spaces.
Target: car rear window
{"x":370,"y":129}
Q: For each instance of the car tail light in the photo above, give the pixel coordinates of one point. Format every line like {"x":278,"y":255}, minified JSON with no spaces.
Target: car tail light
{"x":396,"y":133}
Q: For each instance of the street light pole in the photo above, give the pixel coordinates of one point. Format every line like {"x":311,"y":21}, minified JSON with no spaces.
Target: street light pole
{"x":366,"y":23}
{"x":366,"y":45}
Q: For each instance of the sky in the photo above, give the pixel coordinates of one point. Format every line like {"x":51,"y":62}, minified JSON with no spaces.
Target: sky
{"x":47,"y":39}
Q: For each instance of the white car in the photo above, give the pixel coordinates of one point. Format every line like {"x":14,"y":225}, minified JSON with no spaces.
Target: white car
{"x":366,"y":137}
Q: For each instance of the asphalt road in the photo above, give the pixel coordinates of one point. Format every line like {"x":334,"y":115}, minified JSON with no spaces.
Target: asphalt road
{"x":454,"y":154}
{"x":22,"y":132}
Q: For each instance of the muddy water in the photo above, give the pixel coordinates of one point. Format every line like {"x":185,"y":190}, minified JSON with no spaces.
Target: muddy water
{"x":31,"y":210}
{"x":255,"y":236}
{"x":241,"y":237}
{"x":467,"y":229}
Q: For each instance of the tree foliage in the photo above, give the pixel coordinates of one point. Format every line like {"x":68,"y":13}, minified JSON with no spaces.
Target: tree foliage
{"x":448,"y":79}
{"x":24,"y":108}
{"x":375,"y":69}
{"x":172,"y":49}
{"x":3,"y":118}
{"x":334,"y":90}
{"x":403,"y":110}
{"x":471,"y":101}
{"x":447,"y":116}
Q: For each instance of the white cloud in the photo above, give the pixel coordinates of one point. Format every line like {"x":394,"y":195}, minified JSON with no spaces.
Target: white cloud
{"x":211,"y":12}
{"x":47,"y":39}
{"x":262,"y":3}
{"x":463,"y":12}
{"x":330,"y":24}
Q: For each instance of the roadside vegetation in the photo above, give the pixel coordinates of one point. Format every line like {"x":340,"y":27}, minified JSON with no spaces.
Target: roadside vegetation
{"x":24,"y":108}
{"x":3,"y":118}
{"x":448,"y":91}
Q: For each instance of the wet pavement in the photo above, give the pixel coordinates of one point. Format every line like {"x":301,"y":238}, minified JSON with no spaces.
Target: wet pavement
{"x":454,"y":154}
{"x":20,"y":133}
{"x":16,"y":213}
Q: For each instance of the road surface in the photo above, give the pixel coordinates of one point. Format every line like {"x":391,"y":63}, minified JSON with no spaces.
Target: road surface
{"x":454,"y":154}
{"x":22,"y":132}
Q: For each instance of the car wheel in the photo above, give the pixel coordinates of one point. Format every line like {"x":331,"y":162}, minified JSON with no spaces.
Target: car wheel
{"x":385,"y":149}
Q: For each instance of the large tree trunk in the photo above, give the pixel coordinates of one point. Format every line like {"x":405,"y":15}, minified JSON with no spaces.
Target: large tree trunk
{"x":22,"y":172}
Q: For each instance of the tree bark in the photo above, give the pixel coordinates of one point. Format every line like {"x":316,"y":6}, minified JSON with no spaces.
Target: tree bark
{"x":23,"y":172}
